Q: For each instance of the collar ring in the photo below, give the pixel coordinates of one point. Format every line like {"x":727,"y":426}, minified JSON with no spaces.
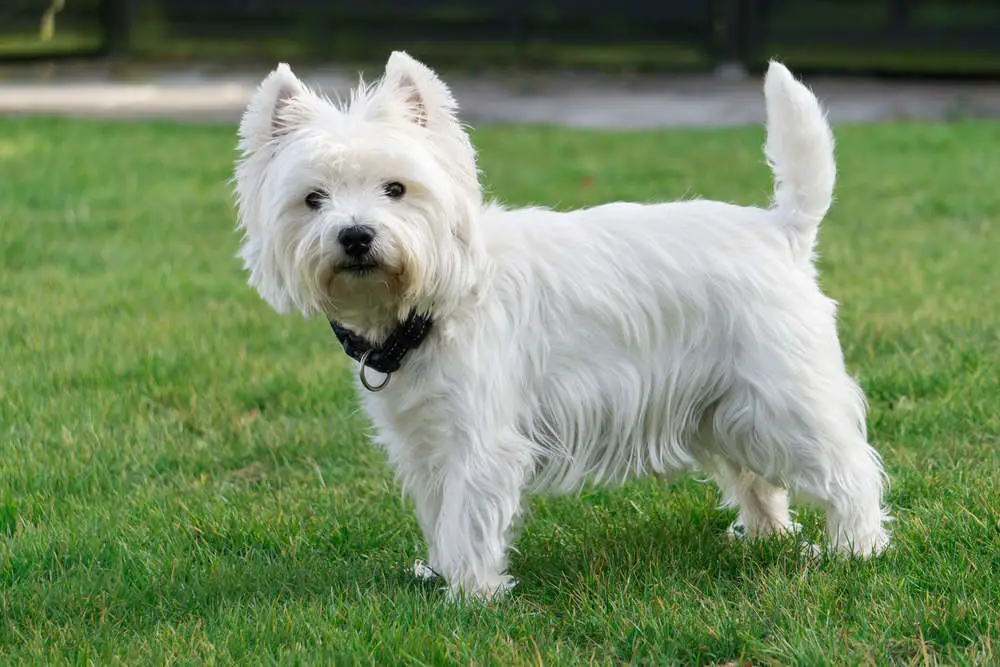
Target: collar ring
{"x":363,"y":375}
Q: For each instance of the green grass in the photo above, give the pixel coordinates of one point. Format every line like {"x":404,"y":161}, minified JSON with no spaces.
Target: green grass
{"x":184,"y":475}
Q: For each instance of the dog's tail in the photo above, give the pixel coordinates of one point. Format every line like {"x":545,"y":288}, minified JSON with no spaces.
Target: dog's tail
{"x":799,"y":149}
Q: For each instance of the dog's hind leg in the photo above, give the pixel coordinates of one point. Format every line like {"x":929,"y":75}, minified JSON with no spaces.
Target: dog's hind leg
{"x":763,"y":506}
{"x":848,"y":483}
{"x":815,"y":443}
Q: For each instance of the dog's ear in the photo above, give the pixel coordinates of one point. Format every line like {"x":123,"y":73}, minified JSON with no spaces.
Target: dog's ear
{"x":427,"y":99}
{"x":280,"y":103}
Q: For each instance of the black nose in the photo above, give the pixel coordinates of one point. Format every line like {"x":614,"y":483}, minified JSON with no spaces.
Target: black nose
{"x":356,"y":239}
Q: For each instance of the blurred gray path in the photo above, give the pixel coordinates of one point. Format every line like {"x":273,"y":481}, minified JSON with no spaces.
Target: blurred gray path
{"x":565,"y":98}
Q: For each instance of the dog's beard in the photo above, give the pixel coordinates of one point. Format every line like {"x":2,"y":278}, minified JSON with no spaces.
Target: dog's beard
{"x":363,"y":267}
{"x":364,"y":289}
{"x":369,"y":294}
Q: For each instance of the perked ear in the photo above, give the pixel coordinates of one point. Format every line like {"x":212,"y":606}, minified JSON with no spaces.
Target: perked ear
{"x":266,"y":116}
{"x":428,"y":100}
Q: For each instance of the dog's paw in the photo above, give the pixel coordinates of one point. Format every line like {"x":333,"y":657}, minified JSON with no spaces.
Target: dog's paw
{"x":815,"y":553}
{"x":864,"y":547}
{"x":487,"y":592}
{"x":738,"y":530}
{"x":811,"y":552}
{"x":423,"y":571}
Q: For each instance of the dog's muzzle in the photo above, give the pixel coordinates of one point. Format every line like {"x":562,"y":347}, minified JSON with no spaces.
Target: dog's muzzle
{"x":357,"y":243}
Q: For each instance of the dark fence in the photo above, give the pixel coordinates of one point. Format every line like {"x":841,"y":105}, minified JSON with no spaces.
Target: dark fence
{"x":914,"y":35}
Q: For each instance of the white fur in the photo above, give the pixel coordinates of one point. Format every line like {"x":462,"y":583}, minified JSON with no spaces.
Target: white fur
{"x":568,"y":348}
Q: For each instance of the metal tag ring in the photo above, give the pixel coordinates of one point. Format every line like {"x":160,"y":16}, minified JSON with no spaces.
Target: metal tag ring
{"x":364,"y":376}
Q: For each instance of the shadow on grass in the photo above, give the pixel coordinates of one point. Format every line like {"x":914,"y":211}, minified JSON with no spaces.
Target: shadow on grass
{"x":647,"y":553}
{"x":202,"y":562}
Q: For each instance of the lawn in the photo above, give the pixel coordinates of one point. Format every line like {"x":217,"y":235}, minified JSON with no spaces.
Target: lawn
{"x":185,"y":476}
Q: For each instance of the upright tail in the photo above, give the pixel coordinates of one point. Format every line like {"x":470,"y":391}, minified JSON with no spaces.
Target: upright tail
{"x":799,"y":149}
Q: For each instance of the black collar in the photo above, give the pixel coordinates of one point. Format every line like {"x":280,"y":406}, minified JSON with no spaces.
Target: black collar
{"x":387,"y":357}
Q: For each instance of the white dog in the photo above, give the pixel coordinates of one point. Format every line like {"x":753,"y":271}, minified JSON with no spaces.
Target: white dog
{"x":529,"y":350}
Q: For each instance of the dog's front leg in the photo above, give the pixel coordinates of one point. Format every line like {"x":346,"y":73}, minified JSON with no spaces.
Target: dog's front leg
{"x":480,"y":503}
{"x":427,"y":501}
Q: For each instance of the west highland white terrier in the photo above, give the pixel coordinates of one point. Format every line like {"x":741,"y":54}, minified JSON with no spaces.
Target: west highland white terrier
{"x":508,"y":351}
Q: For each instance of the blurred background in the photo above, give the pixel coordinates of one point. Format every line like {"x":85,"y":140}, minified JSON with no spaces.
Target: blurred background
{"x":912,"y":37}
{"x":630,"y":64}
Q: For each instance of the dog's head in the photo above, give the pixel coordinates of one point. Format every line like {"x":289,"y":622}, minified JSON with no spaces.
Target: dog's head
{"x":362,"y":211}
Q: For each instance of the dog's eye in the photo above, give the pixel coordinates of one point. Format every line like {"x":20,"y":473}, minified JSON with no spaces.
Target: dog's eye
{"x":395,"y":190}
{"x":315,"y":199}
